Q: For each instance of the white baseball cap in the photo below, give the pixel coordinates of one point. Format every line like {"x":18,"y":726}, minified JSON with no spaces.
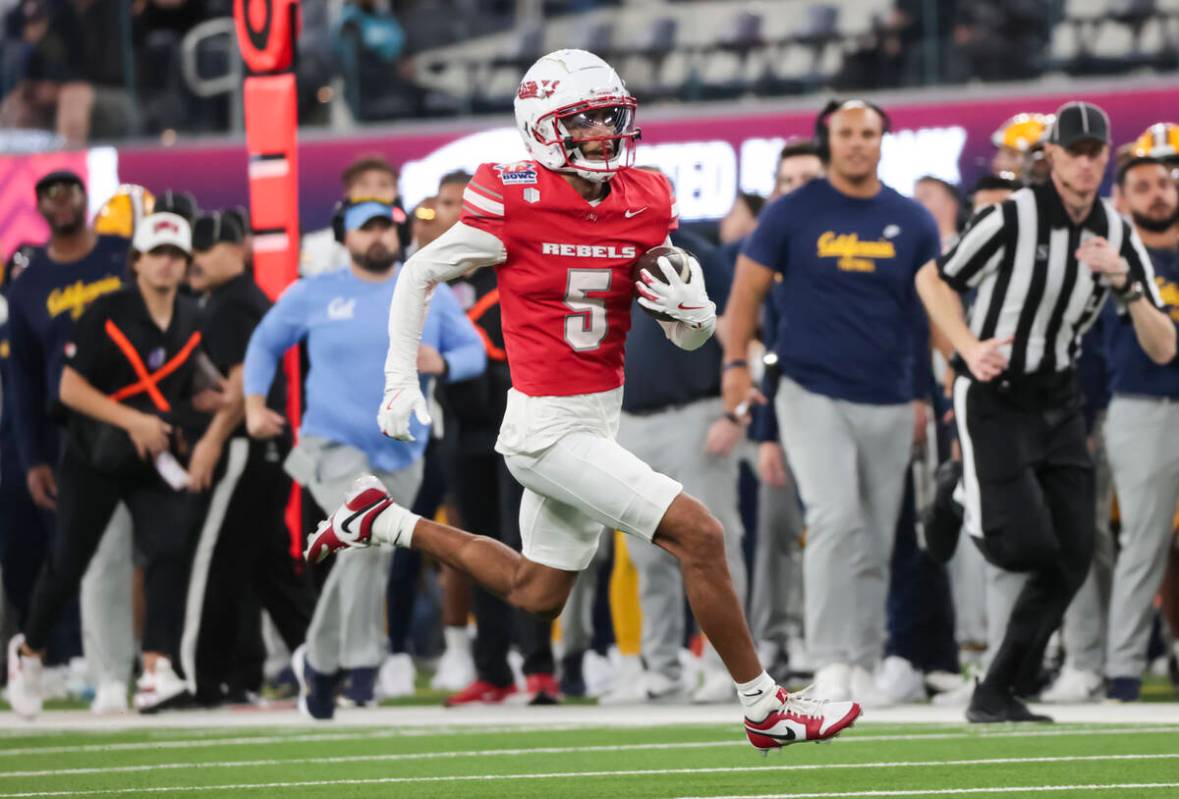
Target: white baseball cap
{"x":163,"y":229}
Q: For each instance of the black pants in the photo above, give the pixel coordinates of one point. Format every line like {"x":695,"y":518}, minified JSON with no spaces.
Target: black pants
{"x":251,"y":569}
{"x":163,"y":521}
{"x":488,"y":499}
{"x":1036,"y":495}
{"x":26,"y":537}
{"x":920,"y":607}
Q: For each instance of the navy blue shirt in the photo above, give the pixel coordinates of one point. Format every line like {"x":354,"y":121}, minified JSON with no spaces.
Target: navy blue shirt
{"x":851,"y":323}
{"x":658,"y":373}
{"x":44,"y":302}
{"x":1130,"y":371}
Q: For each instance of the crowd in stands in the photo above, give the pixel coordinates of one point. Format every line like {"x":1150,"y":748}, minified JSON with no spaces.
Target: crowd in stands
{"x":147,"y":465}
{"x":86,"y":70}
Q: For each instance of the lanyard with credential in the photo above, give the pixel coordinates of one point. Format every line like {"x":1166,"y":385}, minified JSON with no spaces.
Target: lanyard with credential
{"x":148,"y":382}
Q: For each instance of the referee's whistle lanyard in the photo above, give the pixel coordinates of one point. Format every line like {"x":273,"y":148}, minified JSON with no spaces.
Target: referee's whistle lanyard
{"x":148,"y":382}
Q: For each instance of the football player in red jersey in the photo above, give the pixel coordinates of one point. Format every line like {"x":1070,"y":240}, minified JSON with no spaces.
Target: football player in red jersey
{"x":563,"y":231}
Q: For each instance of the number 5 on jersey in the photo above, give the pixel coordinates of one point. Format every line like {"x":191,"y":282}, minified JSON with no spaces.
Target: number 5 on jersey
{"x":586,"y":326}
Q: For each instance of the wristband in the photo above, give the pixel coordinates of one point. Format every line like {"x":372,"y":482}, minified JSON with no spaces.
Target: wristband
{"x":1130,"y":292}
{"x":739,"y":363}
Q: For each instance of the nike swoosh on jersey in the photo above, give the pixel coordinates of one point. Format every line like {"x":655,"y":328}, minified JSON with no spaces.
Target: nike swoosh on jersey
{"x":629,"y":213}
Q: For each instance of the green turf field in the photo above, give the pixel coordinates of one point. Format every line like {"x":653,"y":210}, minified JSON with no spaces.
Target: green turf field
{"x":873,"y":760}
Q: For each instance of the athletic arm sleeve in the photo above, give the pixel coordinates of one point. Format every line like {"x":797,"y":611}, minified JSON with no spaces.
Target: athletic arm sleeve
{"x":459,"y":342}
{"x":284,"y":325}
{"x":457,"y":251}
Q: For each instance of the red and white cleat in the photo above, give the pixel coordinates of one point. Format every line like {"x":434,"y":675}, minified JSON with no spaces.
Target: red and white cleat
{"x":800,"y":718}
{"x":351,"y":524}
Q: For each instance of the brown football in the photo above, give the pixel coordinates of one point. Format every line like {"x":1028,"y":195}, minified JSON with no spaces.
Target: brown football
{"x":649,"y":261}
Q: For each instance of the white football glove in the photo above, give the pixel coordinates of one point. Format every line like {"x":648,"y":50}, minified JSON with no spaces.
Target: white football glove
{"x":400,"y":403}
{"x":684,"y":302}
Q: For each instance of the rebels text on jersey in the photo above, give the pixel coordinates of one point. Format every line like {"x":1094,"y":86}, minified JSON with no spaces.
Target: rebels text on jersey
{"x":565,"y":288}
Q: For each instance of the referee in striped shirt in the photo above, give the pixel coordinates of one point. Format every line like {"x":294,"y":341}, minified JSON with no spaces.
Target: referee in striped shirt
{"x":1042,"y":264}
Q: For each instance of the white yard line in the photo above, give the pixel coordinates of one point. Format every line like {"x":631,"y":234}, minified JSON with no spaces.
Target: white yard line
{"x":204,"y":742}
{"x":633,"y":773}
{"x":575,"y":715}
{"x":1020,"y":789}
{"x":549,"y":750}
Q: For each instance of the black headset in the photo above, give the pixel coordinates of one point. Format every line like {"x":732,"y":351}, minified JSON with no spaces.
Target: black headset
{"x":399,"y":219}
{"x":823,"y":131}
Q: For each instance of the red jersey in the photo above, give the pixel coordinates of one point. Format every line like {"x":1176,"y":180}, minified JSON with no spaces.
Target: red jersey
{"x":565,"y":289}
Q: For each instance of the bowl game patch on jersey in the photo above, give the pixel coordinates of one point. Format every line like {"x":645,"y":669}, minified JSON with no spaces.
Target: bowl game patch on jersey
{"x":518,"y":174}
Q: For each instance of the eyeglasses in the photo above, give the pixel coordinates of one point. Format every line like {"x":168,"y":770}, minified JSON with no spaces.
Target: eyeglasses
{"x":56,"y":191}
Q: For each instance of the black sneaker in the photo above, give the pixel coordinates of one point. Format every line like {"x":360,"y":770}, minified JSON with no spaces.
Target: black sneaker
{"x":942,"y":520}
{"x":1123,"y":689}
{"x":994,"y":706}
{"x":572,"y":678}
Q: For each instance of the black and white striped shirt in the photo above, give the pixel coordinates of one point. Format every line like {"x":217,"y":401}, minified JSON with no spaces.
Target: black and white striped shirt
{"x":1020,"y":257}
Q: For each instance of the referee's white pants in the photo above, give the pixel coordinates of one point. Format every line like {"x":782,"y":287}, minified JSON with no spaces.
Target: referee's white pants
{"x":850,"y":461}
{"x":347,"y":630}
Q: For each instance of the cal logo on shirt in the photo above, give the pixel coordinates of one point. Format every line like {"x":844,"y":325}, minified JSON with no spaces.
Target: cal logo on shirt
{"x":517,"y":174}
{"x":854,"y":255}
{"x":1169,"y":292}
{"x":75,"y":297}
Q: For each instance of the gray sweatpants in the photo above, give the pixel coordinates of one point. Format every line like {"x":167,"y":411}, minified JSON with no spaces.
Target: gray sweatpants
{"x":347,"y":629}
{"x":775,"y":597}
{"x":850,"y":461}
{"x":672,"y":442}
{"x":1145,"y":462}
{"x":1084,"y":631}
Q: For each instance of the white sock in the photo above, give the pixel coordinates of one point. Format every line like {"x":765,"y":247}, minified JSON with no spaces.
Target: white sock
{"x":394,"y":525}
{"x":759,"y":696}
{"x":457,"y":639}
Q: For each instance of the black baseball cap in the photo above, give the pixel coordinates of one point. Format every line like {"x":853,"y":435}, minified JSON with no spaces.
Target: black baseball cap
{"x":217,"y":227}
{"x":181,"y":203}
{"x":1079,"y":121}
{"x":59,"y":176}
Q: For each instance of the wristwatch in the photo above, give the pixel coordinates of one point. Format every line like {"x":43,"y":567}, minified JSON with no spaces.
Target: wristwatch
{"x":1131,"y":292}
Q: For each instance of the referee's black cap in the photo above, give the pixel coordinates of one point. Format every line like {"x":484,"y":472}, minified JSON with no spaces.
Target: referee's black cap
{"x":1079,"y":121}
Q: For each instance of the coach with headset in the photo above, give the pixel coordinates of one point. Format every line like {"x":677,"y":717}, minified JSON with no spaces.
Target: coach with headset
{"x":343,"y":317}
{"x":852,"y":348}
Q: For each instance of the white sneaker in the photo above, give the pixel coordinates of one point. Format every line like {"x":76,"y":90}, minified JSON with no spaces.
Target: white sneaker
{"x":832,"y":683}
{"x":598,"y":673}
{"x":109,"y":698}
{"x":715,"y":688}
{"x":939,"y":682}
{"x":24,"y":680}
{"x":897,"y":680}
{"x":959,"y":697}
{"x":456,"y":670}
{"x":650,"y":688}
{"x":395,"y":677}
{"x":864,"y":690}
{"x":1073,"y":686}
{"x":159,"y":688}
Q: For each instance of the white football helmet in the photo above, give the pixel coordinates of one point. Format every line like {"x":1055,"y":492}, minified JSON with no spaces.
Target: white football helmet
{"x":570,"y":98}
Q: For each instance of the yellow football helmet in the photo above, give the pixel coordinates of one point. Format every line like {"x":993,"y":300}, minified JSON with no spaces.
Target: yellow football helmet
{"x":1160,"y":140}
{"x":121,"y":213}
{"x":1023,"y":131}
